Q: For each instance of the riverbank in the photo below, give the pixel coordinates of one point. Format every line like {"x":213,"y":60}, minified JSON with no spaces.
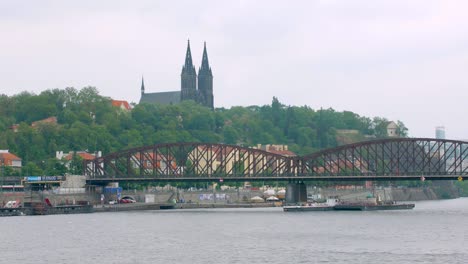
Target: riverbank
{"x":174,"y":198}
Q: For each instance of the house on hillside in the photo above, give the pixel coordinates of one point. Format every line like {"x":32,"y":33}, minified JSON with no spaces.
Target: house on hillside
{"x":14,"y":127}
{"x":122,"y":104}
{"x":9,"y":159}
{"x":68,"y":157}
{"x":47,"y":121}
{"x":50,"y":120}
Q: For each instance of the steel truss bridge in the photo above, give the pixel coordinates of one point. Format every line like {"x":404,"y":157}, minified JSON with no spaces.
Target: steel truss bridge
{"x":386,"y":159}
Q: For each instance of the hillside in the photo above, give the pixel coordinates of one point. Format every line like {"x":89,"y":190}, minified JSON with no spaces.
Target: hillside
{"x":87,"y":121}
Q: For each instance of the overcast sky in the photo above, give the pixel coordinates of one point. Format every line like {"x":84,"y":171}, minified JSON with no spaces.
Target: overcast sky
{"x":403,"y":60}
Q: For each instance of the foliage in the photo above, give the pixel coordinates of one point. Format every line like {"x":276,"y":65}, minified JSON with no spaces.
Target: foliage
{"x":87,"y":121}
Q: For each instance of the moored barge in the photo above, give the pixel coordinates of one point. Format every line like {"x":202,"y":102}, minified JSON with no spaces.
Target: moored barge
{"x":370,"y":204}
{"x":372,"y":207}
{"x":12,"y":211}
{"x":327,"y":206}
{"x":304,"y":208}
{"x":46,"y":208}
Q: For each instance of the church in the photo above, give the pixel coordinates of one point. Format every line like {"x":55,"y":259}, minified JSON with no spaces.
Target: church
{"x":192,"y":87}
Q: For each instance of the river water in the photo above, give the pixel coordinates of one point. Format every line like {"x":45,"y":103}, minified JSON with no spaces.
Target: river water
{"x":433,"y":232}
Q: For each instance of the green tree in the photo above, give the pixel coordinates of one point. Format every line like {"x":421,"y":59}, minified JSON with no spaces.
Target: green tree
{"x":76,"y":165}
{"x":32,"y":169}
{"x":87,"y":121}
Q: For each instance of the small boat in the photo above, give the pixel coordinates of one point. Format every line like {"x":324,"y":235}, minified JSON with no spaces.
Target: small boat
{"x":327,"y":206}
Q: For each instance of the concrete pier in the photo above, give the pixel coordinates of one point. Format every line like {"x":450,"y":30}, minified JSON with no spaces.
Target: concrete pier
{"x":296,"y":193}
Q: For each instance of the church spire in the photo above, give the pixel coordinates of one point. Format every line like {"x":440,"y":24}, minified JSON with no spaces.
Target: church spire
{"x":142,"y":85}
{"x":188,"y":56}
{"x":205,"y":82}
{"x":205,"y":64}
{"x":188,"y":67}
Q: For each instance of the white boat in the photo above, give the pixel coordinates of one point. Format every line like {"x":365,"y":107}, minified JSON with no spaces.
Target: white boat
{"x":329,"y":205}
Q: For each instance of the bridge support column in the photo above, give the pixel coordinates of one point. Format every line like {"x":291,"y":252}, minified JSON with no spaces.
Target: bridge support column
{"x":296,"y":193}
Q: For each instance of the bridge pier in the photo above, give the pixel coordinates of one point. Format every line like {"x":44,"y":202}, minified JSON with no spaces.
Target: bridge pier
{"x":296,"y":193}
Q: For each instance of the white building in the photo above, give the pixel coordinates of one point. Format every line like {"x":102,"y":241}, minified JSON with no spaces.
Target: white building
{"x":440,"y":132}
{"x":392,"y":129}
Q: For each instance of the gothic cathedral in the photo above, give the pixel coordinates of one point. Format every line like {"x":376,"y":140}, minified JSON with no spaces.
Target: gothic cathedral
{"x":198,"y":89}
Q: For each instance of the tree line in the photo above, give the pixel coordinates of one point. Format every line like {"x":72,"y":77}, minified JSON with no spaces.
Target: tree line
{"x":88,"y":121}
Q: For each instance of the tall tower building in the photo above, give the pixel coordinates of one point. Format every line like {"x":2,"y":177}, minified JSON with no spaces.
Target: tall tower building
{"x":440,"y":132}
{"x":188,"y":78}
{"x":205,"y":82}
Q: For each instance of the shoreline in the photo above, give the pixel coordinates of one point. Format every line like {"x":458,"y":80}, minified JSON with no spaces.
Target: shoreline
{"x":171,"y":206}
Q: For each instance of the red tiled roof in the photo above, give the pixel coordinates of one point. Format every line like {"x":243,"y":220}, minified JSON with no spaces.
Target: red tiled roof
{"x":7,"y":158}
{"x":121,"y":103}
{"x":83,"y":155}
{"x":49,"y":120}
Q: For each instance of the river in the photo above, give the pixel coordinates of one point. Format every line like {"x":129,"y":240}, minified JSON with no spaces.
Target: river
{"x":433,"y":232}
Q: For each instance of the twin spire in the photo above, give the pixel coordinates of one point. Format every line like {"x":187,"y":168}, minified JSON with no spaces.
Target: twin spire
{"x":197,"y":88}
{"x":188,"y":66}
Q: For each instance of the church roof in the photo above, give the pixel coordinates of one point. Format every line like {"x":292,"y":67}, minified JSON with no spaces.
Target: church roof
{"x":165,"y":98}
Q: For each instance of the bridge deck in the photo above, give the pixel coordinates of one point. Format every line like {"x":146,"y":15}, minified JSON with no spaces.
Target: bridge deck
{"x":99,"y":181}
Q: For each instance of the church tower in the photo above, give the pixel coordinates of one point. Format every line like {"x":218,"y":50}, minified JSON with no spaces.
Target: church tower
{"x":205,"y":82}
{"x":188,"y":78}
{"x":142,"y":86}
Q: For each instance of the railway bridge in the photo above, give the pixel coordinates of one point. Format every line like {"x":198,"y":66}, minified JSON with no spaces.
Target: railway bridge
{"x":386,"y":159}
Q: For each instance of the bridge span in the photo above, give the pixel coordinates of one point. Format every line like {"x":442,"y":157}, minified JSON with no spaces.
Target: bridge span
{"x":386,"y":159}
